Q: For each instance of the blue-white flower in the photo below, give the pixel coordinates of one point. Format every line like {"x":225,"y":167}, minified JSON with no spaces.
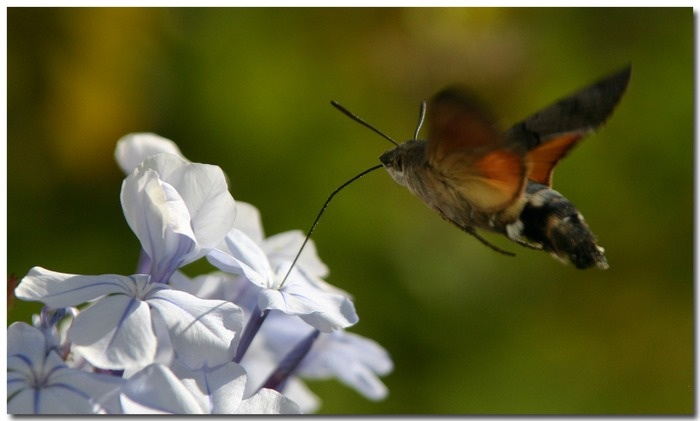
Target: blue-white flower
{"x":158,"y":389}
{"x":40,"y":382}
{"x":178,"y":210}
{"x":244,"y":253}
{"x":353,"y":359}
{"x":297,"y":296}
{"x":280,"y":247}
{"x":117,"y":330}
{"x":177,"y":345}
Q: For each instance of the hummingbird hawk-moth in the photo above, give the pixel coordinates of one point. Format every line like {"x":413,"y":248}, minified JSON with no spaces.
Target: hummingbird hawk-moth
{"x":481,"y":179}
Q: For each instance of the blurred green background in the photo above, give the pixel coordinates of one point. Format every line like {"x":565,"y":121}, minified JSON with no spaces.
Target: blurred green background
{"x":470,"y":331}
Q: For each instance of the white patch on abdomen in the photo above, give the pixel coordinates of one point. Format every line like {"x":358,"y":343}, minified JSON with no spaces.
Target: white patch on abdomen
{"x":515,"y":230}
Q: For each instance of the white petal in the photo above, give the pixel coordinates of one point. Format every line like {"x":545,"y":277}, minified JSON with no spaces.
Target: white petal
{"x":165,"y":354}
{"x":223,"y":260}
{"x":221,"y":387}
{"x":324,"y":311}
{"x":42,"y":383}
{"x":243,"y":255}
{"x":341,"y":314}
{"x":215,"y":285}
{"x":65,"y":290}
{"x":25,"y":341}
{"x":297,"y":391}
{"x":284,"y":246}
{"x":134,"y":148}
{"x":358,"y":376}
{"x":203,"y":332}
{"x":22,"y":401}
{"x":268,"y":401}
{"x":163,"y":164}
{"x":204,"y":286}
{"x":370,"y":353}
{"x":63,"y":399}
{"x":115,"y":333}
{"x":248,"y":220}
{"x":23,"y":378}
{"x":211,"y":207}
{"x":156,"y":390}
{"x":354,"y":359}
{"x":160,"y":219}
{"x":363,"y":380}
{"x":282,"y":333}
{"x":227,"y":385}
{"x":102,"y":389}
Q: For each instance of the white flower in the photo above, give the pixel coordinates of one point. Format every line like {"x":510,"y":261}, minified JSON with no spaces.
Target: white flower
{"x":323,"y":310}
{"x":175,"y":345}
{"x":178,"y":210}
{"x":116,"y":331}
{"x":353,"y":359}
{"x":39,"y":382}
{"x":280,"y":247}
{"x":159,"y":390}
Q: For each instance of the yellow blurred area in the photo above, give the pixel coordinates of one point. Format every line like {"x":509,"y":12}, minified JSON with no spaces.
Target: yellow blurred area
{"x":95,"y":81}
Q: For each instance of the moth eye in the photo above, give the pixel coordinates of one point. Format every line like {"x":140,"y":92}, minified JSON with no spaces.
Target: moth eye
{"x":398,"y":163}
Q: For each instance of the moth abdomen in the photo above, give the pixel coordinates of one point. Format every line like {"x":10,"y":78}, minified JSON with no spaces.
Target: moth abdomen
{"x":551,"y":220}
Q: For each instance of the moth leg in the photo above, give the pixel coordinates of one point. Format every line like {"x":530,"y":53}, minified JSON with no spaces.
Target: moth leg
{"x":514,"y":232}
{"x":486,"y":242}
{"x":528,"y":245}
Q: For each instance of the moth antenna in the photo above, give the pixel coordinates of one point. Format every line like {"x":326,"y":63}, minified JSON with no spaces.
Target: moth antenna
{"x":361,"y":121}
{"x":421,"y":117}
{"x":323,"y":209}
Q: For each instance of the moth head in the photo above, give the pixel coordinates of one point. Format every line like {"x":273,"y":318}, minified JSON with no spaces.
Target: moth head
{"x":400,"y":161}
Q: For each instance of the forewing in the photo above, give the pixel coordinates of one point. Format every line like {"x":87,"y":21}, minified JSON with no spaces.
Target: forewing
{"x":549,"y":134}
{"x":469,"y":154}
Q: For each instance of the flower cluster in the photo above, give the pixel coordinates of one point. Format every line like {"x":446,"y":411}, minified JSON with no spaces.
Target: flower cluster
{"x":236,"y":340}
